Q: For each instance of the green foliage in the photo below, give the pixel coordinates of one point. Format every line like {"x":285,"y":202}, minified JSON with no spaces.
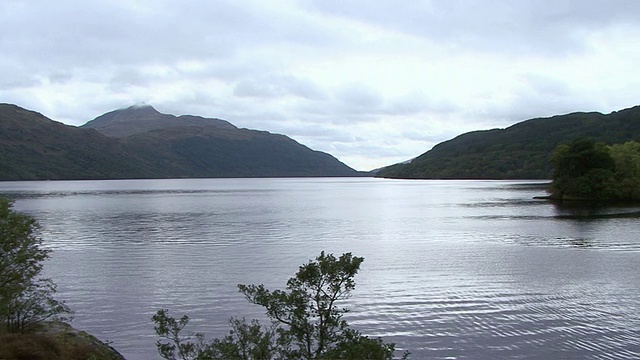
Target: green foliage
{"x":246,"y":341}
{"x":25,"y":299}
{"x":587,"y":170}
{"x":627,"y":160}
{"x":306,"y":322}
{"x":176,"y":346}
{"x":521,"y":151}
{"x":356,"y":346}
{"x":582,"y":169}
{"x":312,"y":322}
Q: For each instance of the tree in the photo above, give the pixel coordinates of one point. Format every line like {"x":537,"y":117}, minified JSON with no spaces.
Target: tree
{"x":312,"y":324}
{"x":169,"y":328}
{"x":596,"y":171}
{"x":582,"y":169}
{"x":26,"y":299}
{"x":627,"y":159}
{"x":306,"y":321}
{"x":244,"y":341}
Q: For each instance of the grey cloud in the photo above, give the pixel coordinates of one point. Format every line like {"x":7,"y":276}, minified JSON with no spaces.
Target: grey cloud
{"x":89,"y":33}
{"x":360,"y":99}
{"x":414,"y":104}
{"x":425,"y":136}
{"x":538,"y":96}
{"x":545,"y":85}
{"x":318,"y":134}
{"x":258,"y":89}
{"x":232,"y":71}
{"x":125,"y":78}
{"x":274,"y":86}
{"x":15,"y":74}
{"x":406,"y":106}
{"x":19,"y":80}
{"x":551,"y":27}
{"x":318,"y":70}
{"x":60,"y":77}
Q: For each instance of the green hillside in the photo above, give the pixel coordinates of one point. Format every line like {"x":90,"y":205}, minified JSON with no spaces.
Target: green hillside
{"x":35,"y":147}
{"x":213,"y":152}
{"x":522,"y":151}
{"x":140,"y":142}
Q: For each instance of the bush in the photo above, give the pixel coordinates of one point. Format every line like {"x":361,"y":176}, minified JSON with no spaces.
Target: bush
{"x":306,"y":322}
{"x":26,"y":299}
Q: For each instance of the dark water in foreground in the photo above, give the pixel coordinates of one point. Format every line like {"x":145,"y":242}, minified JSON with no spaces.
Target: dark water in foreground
{"x":452,"y":270}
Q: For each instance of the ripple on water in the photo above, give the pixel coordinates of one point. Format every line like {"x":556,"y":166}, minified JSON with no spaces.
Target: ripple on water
{"x":500,"y":325}
{"x":587,"y":242}
{"x":459,"y":270}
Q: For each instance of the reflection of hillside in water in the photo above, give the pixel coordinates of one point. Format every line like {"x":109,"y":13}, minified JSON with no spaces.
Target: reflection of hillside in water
{"x":579,"y":242}
{"x":580,"y":210}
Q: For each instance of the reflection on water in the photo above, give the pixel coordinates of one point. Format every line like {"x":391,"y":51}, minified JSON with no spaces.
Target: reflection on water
{"x":588,"y":211}
{"x":453,"y":269}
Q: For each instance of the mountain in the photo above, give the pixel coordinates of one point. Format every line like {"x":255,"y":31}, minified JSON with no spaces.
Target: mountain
{"x":140,"y":142}
{"x":140,"y":119}
{"x":522,"y":151}
{"x":33,"y":146}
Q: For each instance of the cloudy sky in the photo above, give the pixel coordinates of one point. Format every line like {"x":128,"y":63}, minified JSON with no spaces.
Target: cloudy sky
{"x":372,"y":82}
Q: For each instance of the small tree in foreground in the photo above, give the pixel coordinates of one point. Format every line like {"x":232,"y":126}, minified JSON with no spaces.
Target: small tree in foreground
{"x":306,"y":321}
{"x":26,"y":299}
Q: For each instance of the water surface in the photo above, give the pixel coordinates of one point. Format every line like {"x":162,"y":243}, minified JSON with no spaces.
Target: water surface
{"x":452,"y":270}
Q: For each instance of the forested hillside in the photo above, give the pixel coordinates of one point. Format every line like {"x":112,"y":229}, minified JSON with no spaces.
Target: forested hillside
{"x":522,"y":151}
{"x":35,"y":147}
{"x":140,"y":142}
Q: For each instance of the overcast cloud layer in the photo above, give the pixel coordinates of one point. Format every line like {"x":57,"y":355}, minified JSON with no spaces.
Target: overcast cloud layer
{"x":371,"y":82}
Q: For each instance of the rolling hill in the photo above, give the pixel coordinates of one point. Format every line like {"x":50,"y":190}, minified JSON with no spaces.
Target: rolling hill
{"x":33,"y":146}
{"x":522,"y":151}
{"x":140,"y":142}
{"x":140,"y":119}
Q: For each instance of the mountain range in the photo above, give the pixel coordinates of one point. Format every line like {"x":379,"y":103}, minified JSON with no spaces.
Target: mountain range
{"x":140,"y":142}
{"x":521,"y":151}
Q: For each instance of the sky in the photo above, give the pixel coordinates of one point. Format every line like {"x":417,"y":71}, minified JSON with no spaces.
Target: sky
{"x":371,"y":82}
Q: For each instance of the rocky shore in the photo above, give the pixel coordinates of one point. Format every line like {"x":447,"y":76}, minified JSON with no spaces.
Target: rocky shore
{"x":55,"y":341}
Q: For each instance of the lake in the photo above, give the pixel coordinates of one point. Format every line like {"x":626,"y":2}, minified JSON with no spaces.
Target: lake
{"x":452,"y":269}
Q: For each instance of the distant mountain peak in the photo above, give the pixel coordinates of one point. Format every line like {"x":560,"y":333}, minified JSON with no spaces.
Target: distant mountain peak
{"x":139,"y":142}
{"x":140,"y":104}
{"x":140,"y":108}
{"x":141,"y":117}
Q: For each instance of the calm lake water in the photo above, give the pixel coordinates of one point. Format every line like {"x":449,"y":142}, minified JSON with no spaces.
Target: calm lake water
{"x":452,"y":270}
